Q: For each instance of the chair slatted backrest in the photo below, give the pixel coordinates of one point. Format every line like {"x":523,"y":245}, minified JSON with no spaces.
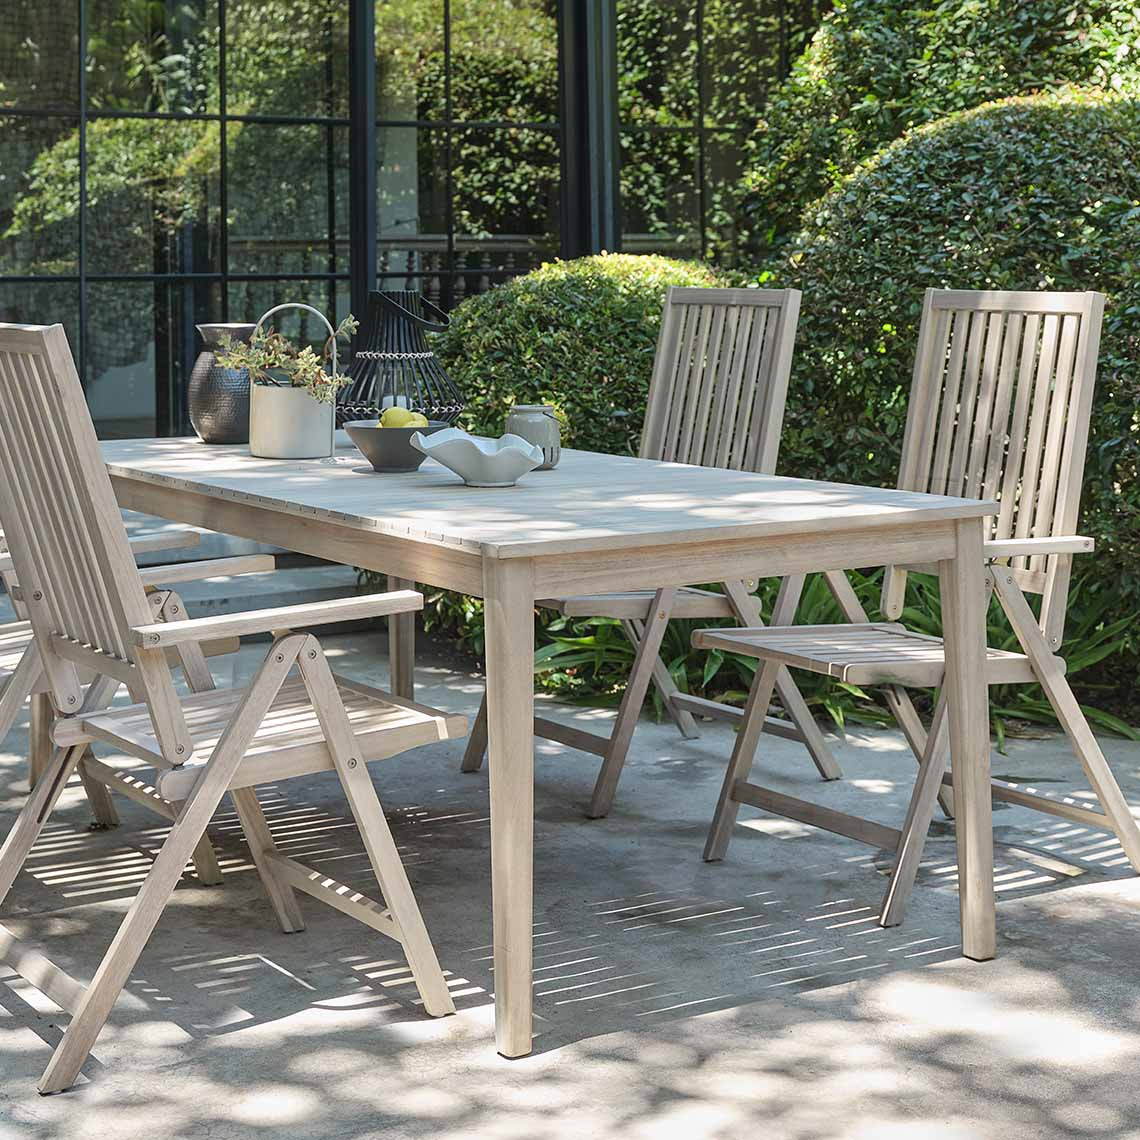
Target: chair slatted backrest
{"x":69,"y":546}
{"x":999,"y":409}
{"x":720,"y":377}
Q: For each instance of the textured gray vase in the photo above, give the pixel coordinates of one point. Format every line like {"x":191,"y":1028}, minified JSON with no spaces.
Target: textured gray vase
{"x":218,"y":398}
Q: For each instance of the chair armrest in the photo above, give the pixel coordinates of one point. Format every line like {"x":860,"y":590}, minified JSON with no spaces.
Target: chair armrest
{"x":1023,"y":547}
{"x":283,"y":617}
{"x":174,"y":540}
{"x":208,"y":568}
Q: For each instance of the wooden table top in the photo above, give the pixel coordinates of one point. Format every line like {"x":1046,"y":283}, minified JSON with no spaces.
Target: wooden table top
{"x":590,"y":502}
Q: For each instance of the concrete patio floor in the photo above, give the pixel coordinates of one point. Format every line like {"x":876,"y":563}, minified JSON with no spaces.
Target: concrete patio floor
{"x":756,"y":997}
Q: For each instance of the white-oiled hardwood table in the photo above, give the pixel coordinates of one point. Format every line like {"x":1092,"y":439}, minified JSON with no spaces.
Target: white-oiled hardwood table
{"x":596,"y":523}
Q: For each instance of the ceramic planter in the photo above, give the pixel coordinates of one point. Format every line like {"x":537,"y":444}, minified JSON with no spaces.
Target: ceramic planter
{"x":217,"y":398}
{"x":287,"y":423}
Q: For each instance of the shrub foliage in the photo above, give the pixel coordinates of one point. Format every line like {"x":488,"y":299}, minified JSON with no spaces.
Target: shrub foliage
{"x":577,"y":334}
{"x":875,"y":70}
{"x":1028,"y":193}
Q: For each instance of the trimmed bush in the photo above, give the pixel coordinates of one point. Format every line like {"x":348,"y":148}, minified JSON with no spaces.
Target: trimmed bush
{"x":874,"y":70}
{"x":1028,"y":193}
{"x":578,"y":334}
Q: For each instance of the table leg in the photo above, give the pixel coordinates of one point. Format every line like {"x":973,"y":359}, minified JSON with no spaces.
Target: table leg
{"x":962,"y":586}
{"x":402,"y":646}
{"x":508,"y":591}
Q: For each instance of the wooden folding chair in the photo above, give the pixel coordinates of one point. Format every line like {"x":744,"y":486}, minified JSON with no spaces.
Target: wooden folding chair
{"x":999,"y":409}
{"x":21,"y":677}
{"x":89,"y":611}
{"x":716,"y":399}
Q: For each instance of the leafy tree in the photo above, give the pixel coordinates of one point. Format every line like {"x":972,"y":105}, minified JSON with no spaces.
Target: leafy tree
{"x":874,"y":70}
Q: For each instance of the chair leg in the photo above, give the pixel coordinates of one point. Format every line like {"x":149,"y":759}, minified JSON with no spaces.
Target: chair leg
{"x":190,"y":825}
{"x":14,"y":693}
{"x":169,"y":606}
{"x":920,"y":811}
{"x":34,"y":814}
{"x":1050,"y":673}
{"x":205,"y":860}
{"x":636,"y":687}
{"x":98,"y":797}
{"x":282,"y":897}
{"x":40,"y":718}
{"x":907,"y":718}
{"x":743,"y":755}
{"x":746,"y":606}
{"x":798,"y":712}
{"x":663,"y":683}
{"x":476,"y":748}
{"x":898,"y":701}
{"x":374,"y":830}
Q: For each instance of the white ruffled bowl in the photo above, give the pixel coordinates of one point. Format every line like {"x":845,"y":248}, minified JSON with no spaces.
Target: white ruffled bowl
{"x":478,"y":461}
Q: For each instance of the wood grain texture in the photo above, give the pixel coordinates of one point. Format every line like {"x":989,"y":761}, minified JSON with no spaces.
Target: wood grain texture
{"x":596,"y":523}
{"x":589,"y":503}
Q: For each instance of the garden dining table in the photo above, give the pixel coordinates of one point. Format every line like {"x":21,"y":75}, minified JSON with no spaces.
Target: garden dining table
{"x":596,"y":523}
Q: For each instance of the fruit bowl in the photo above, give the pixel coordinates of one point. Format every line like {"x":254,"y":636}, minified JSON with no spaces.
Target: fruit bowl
{"x":478,"y":461}
{"x":389,"y":449}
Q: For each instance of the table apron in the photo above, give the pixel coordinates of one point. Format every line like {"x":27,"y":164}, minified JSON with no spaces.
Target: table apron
{"x":450,"y":568}
{"x":557,"y":575}
{"x":685,"y":564}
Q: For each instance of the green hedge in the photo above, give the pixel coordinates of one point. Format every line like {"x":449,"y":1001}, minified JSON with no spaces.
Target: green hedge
{"x":874,"y":70}
{"x":1028,"y":193}
{"x":578,"y":334}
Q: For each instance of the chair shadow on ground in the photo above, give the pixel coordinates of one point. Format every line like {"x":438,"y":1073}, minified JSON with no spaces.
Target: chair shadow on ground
{"x":330,"y":1018}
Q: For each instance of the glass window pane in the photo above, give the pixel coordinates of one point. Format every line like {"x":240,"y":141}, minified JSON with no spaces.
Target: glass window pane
{"x":659,"y":192}
{"x":141,"y":345}
{"x":39,"y":195}
{"x":121,"y":358}
{"x":506,"y":194}
{"x":152,"y":57}
{"x":153,"y":196}
{"x":657,"y":63}
{"x":39,"y":54}
{"x":409,"y":60}
{"x":279,"y":205}
{"x":742,"y":59}
{"x":249,"y":300}
{"x":726,"y":222}
{"x":411,"y":207}
{"x":290,"y":58}
{"x":439,"y":288}
{"x":42,"y":303}
{"x":504,"y":60}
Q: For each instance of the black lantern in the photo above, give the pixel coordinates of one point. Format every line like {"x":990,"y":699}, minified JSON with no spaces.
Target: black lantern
{"x":395,"y":366}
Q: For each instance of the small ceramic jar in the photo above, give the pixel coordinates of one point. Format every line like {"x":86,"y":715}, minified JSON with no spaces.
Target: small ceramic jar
{"x":537,"y":424}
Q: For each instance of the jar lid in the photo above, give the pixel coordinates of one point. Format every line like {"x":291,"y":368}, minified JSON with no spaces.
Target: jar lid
{"x":533,"y":408}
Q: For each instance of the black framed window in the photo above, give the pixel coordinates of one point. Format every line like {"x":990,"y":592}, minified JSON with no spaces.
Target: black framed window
{"x":692,"y":79}
{"x":468,"y":143}
{"x":165,"y":163}
{"x":169,"y":162}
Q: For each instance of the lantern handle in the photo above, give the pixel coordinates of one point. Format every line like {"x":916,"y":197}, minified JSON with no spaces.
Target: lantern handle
{"x":408,"y":315}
